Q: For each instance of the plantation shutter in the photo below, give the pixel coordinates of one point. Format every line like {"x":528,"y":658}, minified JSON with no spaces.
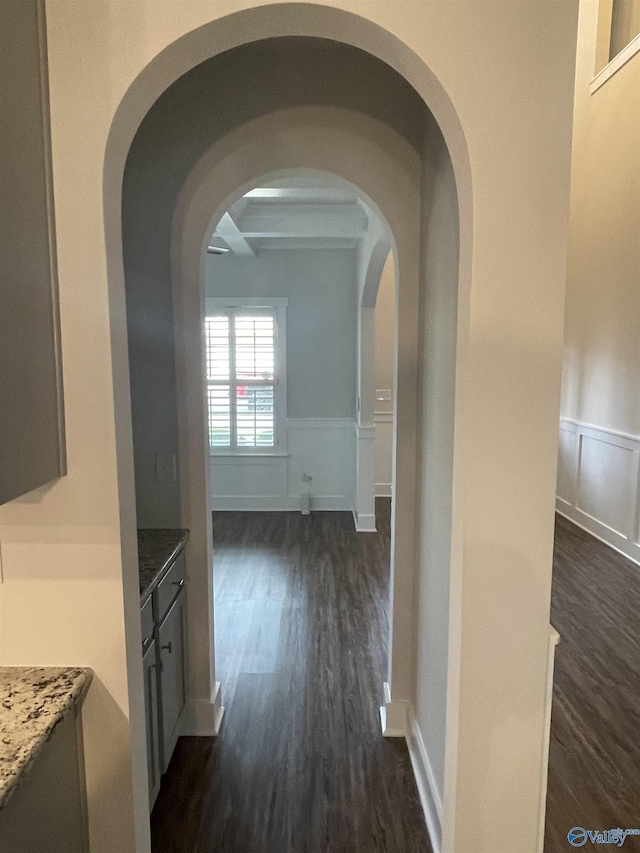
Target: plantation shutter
{"x":218,"y":380}
{"x":241,"y":379}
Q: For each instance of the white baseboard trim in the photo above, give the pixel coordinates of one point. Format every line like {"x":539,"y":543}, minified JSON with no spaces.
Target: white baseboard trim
{"x":600,"y":531}
{"x":203,"y":718}
{"x":393,"y":715}
{"x":277,"y":503}
{"x":554,"y":639}
{"x":425,"y":780}
{"x":383,"y":490}
{"x":364,"y":522}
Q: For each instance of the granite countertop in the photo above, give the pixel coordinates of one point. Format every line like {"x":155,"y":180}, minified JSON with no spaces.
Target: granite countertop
{"x":33,"y":700}
{"x":157,"y":549}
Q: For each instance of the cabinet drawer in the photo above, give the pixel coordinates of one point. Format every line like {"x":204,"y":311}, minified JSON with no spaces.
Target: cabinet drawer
{"x":170,"y":586}
{"x":146,"y":618}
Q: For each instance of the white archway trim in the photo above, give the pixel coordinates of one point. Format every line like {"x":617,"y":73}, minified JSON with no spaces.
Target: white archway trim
{"x":373,"y":255}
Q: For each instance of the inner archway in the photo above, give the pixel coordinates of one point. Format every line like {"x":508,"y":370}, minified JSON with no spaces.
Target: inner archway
{"x":339,"y":143}
{"x":327,"y":382}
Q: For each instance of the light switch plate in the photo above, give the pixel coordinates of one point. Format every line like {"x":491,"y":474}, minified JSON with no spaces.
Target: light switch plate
{"x":384,"y":394}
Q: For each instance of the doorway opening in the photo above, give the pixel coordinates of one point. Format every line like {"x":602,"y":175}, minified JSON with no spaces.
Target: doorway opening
{"x":300,"y":356}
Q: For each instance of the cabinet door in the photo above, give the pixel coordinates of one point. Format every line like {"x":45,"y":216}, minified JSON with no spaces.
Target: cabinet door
{"x":47,"y":813}
{"x":173,"y":693}
{"x":32,"y":447}
{"x":150,"y":666}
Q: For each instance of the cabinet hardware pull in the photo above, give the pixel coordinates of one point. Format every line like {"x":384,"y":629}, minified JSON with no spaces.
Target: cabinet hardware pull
{"x":167,"y":647}
{"x":178,"y":583}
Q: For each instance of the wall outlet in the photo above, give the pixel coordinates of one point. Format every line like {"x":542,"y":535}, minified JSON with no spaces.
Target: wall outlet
{"x":166,"y":467}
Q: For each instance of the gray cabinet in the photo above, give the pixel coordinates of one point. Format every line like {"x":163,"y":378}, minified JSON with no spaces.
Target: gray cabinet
{"x":32,"y":448}
{"x":48,"y":810}
{"x":150,"y":668}
{"x":164,"y":631}
{"x":173,"y":689}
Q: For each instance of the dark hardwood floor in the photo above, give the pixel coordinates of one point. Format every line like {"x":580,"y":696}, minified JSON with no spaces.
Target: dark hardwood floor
{"x":300,"y":765}
{"x":594,"y":766}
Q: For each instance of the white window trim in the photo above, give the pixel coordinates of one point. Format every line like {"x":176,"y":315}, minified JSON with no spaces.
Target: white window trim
{"x":277,"y":304}
{"x":603,"y":40}
{"x":615,"y":65}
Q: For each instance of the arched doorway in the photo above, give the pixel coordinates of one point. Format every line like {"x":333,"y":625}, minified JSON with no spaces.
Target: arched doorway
{"x":401,"y":692}
{"x":305,"y":138}
{"x":335,"y":215}
{"x":386,"y":169}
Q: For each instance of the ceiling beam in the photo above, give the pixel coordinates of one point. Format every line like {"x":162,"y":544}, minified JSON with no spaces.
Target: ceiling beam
{"x":233,"y":237}
{"x":306,"y":195}
{"x":303,"y":220}
{"x":289,"y":242}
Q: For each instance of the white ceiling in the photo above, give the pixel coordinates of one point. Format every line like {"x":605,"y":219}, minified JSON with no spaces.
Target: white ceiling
{"x":293,"y":214}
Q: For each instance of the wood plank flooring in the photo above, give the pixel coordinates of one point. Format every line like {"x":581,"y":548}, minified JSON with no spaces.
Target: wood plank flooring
{"x":300,"y":766}
{"x":301,"y":641}
{"x":594,"y":767}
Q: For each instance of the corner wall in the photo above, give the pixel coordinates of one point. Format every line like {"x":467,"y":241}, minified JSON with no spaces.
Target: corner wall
{"x":599,"y":452}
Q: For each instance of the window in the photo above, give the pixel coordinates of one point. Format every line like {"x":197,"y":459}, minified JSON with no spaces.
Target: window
{"x":625,"y":25}
{"x":245,"y":375}
{"x":617,"y":38}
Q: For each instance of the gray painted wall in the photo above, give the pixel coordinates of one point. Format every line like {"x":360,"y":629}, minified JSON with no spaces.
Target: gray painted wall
{"x":321,"y":286}
{"x":191,"y":115}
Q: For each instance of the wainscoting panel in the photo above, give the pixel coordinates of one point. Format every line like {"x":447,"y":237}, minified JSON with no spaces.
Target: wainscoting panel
{"x":599,"y":483}
{"x":243,"y":476}
{"x":323,"y":448}
{"x":567,"y":464}
{"x":384,"y":453}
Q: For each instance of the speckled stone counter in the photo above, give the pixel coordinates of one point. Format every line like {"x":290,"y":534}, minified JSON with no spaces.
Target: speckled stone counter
{"x":32,"y":702}
{"x":157,"y":549}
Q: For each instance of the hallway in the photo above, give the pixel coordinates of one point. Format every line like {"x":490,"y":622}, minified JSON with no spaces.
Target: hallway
{"x":300,"y":765}
{"x":594,"y":771}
